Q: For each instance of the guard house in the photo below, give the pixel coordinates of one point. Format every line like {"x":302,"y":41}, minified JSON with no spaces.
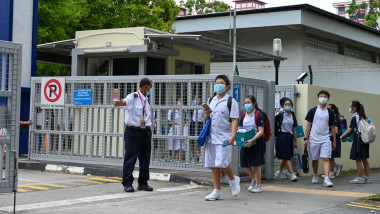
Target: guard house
{"x":142,"y":51}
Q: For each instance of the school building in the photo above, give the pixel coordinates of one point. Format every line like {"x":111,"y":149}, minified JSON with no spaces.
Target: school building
{"x":341,"y":52}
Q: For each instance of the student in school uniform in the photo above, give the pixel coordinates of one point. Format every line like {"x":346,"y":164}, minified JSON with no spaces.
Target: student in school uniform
{"x":286,"y":138}
{"x":320,"y":121}
{"x":359,"y":149}
{"x":196,"y":127}
{"x":174,"y":125}
{"x":224,"y":125}
{"x":253,"y":155}
{"x":336,"y":153}
{"x":285,"y":172}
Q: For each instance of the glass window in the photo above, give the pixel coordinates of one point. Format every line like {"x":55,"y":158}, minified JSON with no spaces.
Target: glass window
{"x":125,"y":66}
{"x":341,"y":9}
{"x":155,"y":66}
{"x":97,"y":67}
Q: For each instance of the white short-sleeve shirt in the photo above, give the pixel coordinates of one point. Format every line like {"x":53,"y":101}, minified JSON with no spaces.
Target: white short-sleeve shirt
{"x":320,"y":130}
{"x":175,"y":116}
{"x":198,"y":116}
{"x":287,"y":123}
{"x":134,"y":110}
{"x":249,"y":121}
{"x":221,"y":129}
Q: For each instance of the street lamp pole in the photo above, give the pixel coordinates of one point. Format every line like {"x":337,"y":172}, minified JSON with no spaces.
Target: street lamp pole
{"x":277,"y":49}
{"x":234,"y":45}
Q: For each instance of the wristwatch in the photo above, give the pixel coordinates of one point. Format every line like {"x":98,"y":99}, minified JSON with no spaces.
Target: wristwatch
{"x":305,"y":138}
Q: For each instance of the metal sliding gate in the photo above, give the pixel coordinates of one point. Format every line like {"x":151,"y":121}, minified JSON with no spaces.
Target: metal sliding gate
{"x":10,"y":78}
{"x":93,"y":133}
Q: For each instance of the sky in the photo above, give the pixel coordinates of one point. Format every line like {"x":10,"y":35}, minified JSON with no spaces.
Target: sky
{"x":323,"y":4}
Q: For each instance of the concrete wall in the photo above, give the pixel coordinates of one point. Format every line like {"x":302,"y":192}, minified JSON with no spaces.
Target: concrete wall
{"x":189,"y":55}
{"x":342,"y":99}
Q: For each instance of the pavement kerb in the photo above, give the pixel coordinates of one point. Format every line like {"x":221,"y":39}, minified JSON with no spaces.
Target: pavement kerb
{"x":104,"y":171}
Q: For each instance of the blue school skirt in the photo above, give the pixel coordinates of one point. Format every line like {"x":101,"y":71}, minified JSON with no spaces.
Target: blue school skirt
{"x":284,"y":146}
{"x":359,"y":149}
{"x":336,"y":153}
{"x":254,"y":155}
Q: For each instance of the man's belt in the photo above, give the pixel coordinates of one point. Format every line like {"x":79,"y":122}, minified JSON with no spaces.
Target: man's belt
{"x":139,"y":128}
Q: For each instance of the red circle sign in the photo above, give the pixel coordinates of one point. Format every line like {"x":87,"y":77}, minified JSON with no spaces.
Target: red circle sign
{"x":48,"y":86}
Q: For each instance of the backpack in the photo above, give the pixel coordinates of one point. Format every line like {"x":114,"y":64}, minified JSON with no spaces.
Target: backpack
{"x":367,"y":131}
{"x":342,"y":125}
{"x":267,"y":130}
{"x":278,"y":122}
{"x":229,"y":103}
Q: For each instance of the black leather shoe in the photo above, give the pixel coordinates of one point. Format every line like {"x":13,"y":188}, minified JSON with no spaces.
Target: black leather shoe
{"x":145,"y":187}
{"x":129,"y":189}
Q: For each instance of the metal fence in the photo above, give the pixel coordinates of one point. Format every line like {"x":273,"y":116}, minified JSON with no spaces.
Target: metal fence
{"x":93,"y":133}
{"x":10,"y":88}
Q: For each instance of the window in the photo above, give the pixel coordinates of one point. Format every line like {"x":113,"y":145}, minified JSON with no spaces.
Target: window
{"x":182,"y":67}
{"x":97,"y":67}
{"x":126,"y":66}
{"x":358,"y":53}
{"x":341,"y":9}
{"x":155,"y":66}
{"x":321,"y":43}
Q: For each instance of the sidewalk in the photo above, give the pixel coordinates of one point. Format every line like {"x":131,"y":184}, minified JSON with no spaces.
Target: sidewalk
{"x":341,"y":183}
{"x":178,"y":176}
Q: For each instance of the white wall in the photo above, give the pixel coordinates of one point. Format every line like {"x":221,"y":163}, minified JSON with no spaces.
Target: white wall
{"x":22,"y":33}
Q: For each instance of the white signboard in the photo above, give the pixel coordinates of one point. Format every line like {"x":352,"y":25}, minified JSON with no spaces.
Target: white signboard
{"x":53,"y":91}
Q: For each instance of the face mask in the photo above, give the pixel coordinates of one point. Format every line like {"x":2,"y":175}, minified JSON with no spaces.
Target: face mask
{"x":287,"y":108}
{"x":179,"y":104}
{"x":350,"y":110}
{"x":148,"y":93}
{"x":219,"y":88}
{"x":248,"y":107}
{"x":322,"y":100}
{"x":196,"y":102}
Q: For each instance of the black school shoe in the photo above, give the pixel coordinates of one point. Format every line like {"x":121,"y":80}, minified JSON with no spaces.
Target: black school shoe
{"x":145,"y":187}
{"x":129,"y":189}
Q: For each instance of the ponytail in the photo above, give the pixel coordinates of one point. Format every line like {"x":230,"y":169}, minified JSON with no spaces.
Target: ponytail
{"x":360,"y":109}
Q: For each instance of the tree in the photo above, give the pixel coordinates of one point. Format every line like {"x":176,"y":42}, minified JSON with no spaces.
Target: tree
{"x":372,"y":15}
{"x":60,"y":19}
{"x":201,"y":7}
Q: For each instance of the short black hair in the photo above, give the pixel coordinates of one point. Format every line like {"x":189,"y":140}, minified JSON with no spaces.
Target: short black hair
{"x":224,"y":77}
{"x":145,"y":81}
{"x":282,"y":101}
{"x":287,"y":99}
{"x":324,"y":92}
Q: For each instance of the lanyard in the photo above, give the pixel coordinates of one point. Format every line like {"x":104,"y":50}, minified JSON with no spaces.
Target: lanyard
{"x":142,"y":103}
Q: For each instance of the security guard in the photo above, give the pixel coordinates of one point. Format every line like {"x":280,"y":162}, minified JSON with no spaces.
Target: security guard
{"x":137,"y":136}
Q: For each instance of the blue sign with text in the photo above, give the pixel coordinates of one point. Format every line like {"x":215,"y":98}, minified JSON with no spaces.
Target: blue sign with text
{"x":83,"y":96}
{"x":236,"y":92}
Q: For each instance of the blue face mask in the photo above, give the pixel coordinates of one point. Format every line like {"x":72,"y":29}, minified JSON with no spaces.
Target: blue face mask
{"x":248,"y":107}
{"x":287,"y":108}
{"x":219,"y":88}
{"x":351,"y":111}
{"x":179,"y":104}
{"x":148,"y":93}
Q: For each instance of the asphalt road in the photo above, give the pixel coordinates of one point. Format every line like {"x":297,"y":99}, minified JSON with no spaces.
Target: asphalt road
{"x":45,"y":192}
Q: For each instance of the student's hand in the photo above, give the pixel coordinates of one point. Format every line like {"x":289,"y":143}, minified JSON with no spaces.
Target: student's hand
{"x":231,"y":140}
{"x":249,"y":143}
{"x":207,"y":113}
{"x":29,"y":122}
{"x":295,"y":145}
{"x":306,"y":142}
{"x":333,"y":146}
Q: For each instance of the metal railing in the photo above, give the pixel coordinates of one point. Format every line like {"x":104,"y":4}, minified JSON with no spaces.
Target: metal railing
{"x":93,"y":134}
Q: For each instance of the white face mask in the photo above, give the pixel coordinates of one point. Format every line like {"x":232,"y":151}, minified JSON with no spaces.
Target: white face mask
{"x":322,"y":100}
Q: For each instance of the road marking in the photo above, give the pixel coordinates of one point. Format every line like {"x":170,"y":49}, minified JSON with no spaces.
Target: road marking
{"x":34,"y":187}
{"x":367,"y":206}
{"x":22,"y":190}
{"x":117,"y":178}
{"x":318,"y":192}
{"x":69,"y":202}
{"x":53,"y":185}
{"x":105,"y":179}
{"x":88,"y":181}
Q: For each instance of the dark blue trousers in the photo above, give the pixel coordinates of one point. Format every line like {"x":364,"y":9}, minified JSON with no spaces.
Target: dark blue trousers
{"x":137,"y":145}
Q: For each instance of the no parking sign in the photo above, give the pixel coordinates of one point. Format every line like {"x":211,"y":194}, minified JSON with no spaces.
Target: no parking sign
{"x":53,"y":91}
